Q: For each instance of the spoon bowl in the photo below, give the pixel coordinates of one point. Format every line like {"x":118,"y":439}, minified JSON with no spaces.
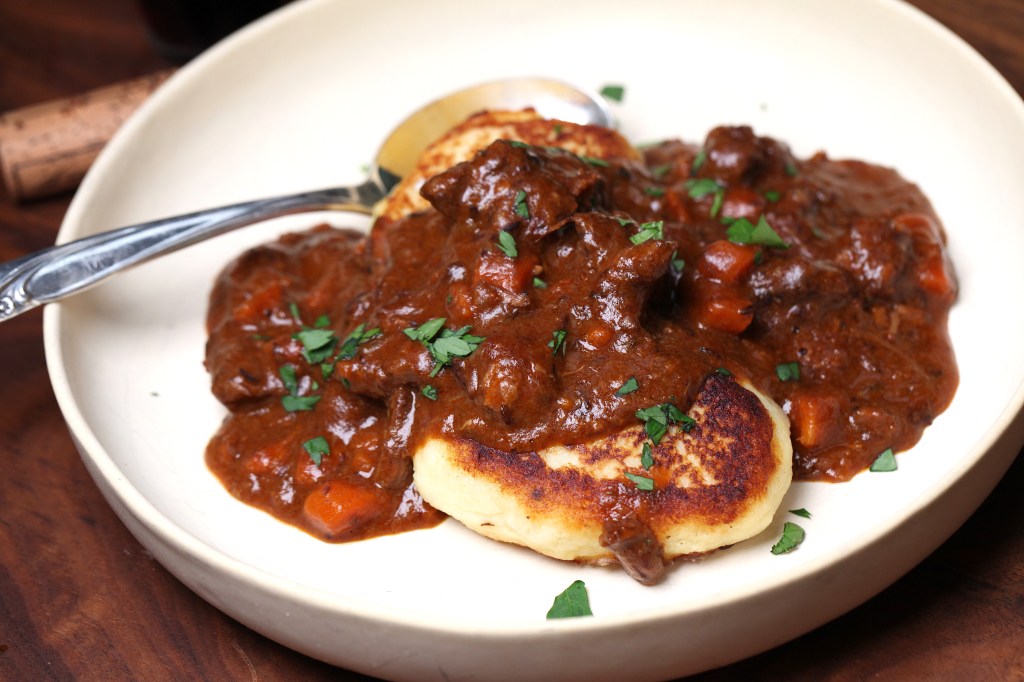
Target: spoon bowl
{"x":60,"y":271}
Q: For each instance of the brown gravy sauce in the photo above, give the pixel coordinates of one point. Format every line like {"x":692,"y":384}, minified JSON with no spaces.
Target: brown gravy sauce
{"x":852,"y":292}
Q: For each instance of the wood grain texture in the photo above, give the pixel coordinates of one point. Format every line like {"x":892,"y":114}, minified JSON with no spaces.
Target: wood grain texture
{"x":81,"y":599}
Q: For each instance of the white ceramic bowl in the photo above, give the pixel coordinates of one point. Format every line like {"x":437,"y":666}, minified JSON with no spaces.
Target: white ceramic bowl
{"x":300,"y":100}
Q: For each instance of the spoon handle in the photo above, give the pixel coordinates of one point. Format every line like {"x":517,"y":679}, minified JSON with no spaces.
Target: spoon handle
{"x":59,"y":271}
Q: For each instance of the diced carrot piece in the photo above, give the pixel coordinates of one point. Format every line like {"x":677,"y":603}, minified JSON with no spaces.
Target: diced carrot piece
{"x":813,"y":418}
{"x":726,"y":313}
{"x":510,"y":274}
{"x":932,"y":272}
{"x":676,"y":208}
{"x":726,"y":261}
{"x":339,"y":508}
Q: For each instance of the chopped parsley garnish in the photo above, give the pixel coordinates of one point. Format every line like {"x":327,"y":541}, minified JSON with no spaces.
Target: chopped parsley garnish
{"x":595,"y":161}
{"x":884,"y":462}
{"x":557,"y":341}
{"x":801,"y":512}
{"x":628,"y":386}
{"x":652,"y":230}
{"x":316,"y":448}
{"x":322,"y":321}
{"x":788,"y":371}
{"x":444,"y":344}
{"x":641,"y":482}
{"x":426,"y":331}
{"x":698,"y":161}
{"x":507,"y":244}
{"x":654,"y":191}
{"x":677,"y":263}
{"x":357,"y":337}
{"x":659,"y":172}
{"x":613,"y":92}
{"x":646,"y":456}
{"x":287,"y":373}
{"x":703,"y":186}
{"x":722,"y":371}
{"x":744,"y":232}
{"x":658,"y":418}
{"x":539,"y":283}
{"x":792,"y":536}
{"x":299,"y":403}
{"x":699,"y":187}
{"x":771,"y":195}
{"x":520,"y":206}
{"x":294,"y":309}
{"x":293,"y":402}
{"x":791,"y":170}
{"x":317,"y":344}
{"x":571,"y":603}
{"x":452,"y":343}
{"x":430,"y":392}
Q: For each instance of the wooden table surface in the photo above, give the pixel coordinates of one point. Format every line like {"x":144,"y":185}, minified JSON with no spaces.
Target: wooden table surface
{"x":81,"y":599}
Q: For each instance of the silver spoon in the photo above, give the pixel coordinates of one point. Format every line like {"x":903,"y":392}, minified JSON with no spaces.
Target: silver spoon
{"x":59,"y":271}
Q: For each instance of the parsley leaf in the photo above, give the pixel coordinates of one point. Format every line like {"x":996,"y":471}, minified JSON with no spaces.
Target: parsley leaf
{"x":801,"y":512}
{"x":698,"y":161}
{"x":572,"y":602}
{"x":426,"y":331}
{"x":699,"y":187}
{"x":594,"y":161}
{"x":299,"y":403}
{"x":557,"y":341}
{"x":659,"y":172}
{"x":539,"y":283}
{"x":641,"y":482}
{"x":628,"y":386}
{"x":744,"y":232}
{"x":788,"y":371}
{"x":430,"y":392}
{"x":317,"y":344}
{"x":507,"y":244}
{"x":646,"y":456}
{"x":294,"y":402}
{"x":658,"y":418}
{"x":357,"y":337}
{"x":520,"y":206}
{"x":884,"y":462}
{"x":287,"y":373}
{"x":771,"y":195}
{"x":652,"y":230}
{"x":654,"y":191}
{"x":443,"y":344}
{"x":792,"y":536}
{"x":613,"y":92}
{"x":316,"y":448}
{"x":677,"y":263}
{"x":703,"y":186}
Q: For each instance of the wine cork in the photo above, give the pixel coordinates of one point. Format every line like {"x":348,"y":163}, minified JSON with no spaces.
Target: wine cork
{"x":47,"y":148}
